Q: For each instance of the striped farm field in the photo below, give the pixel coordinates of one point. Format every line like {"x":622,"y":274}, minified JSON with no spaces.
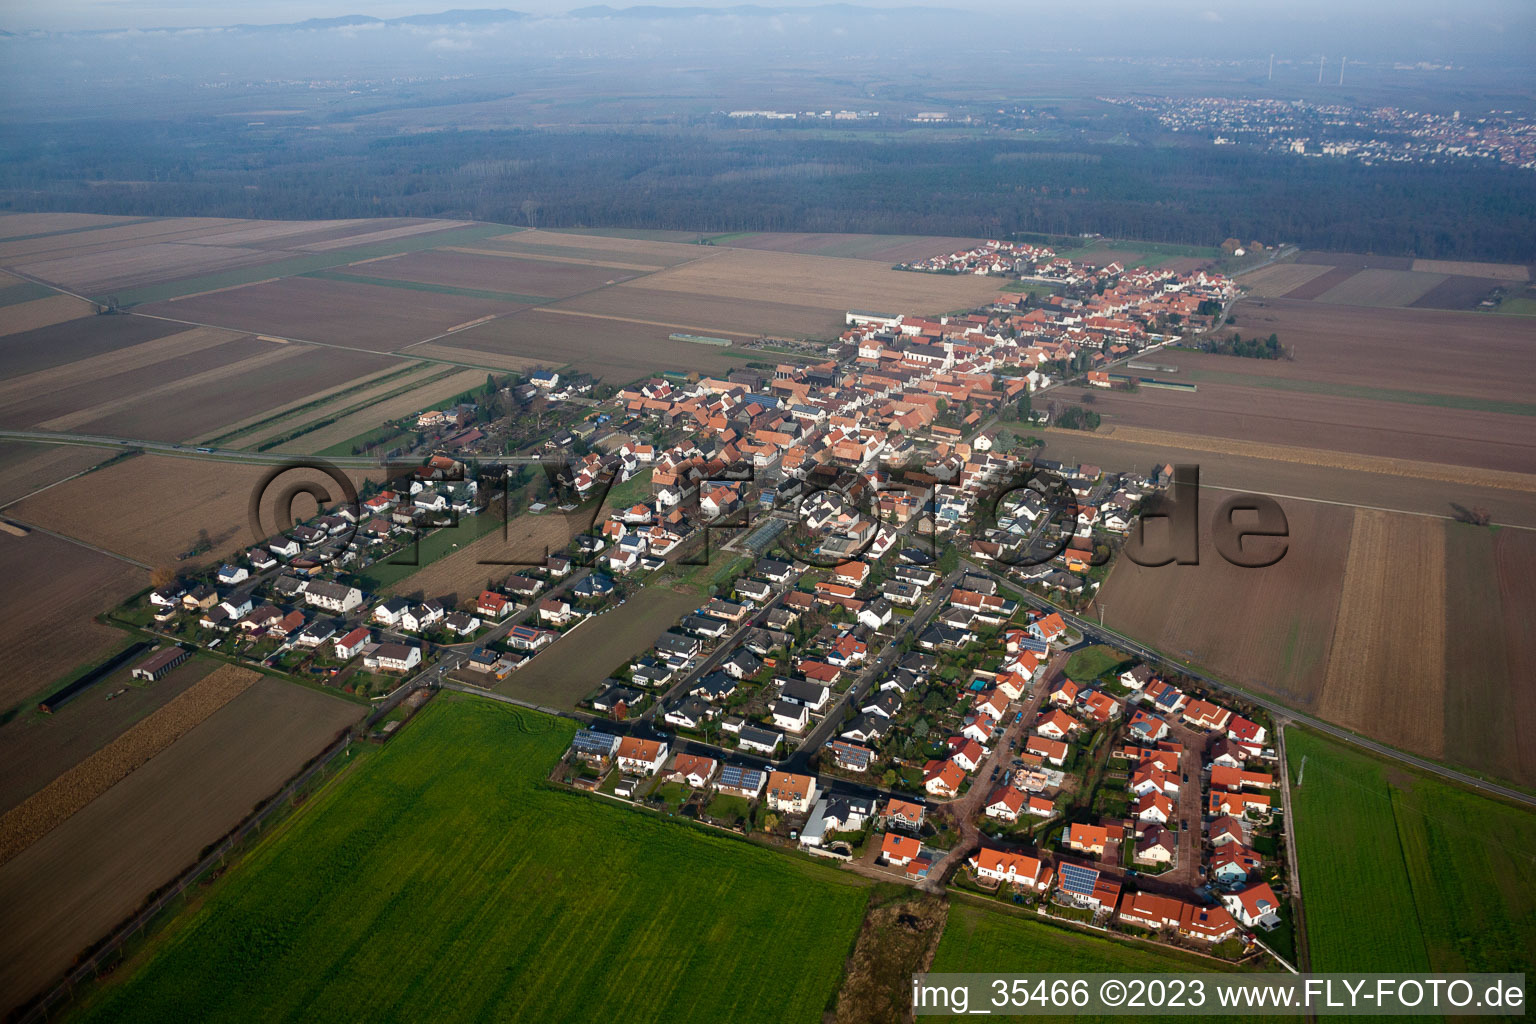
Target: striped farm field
{"x":1403,"y":872}
{"x":533,"y":902}
{"x":430,"y":392}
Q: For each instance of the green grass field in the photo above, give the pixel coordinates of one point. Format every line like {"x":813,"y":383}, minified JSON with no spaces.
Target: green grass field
{"x":1089,"y":663}
{"x":442,"y":882}
{"x":1402,"y":872}
{"x":977,"y":940}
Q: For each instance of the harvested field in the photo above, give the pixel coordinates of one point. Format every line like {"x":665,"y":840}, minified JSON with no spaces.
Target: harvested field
{"x":1278,"y":278}
{"x":1460,"y":475}
{"x":820,"y":282}
{"x":26,"y":467}
{"x":1275,"y":630}
{"x":1286,"y":412}
{"x":502,"y":273}
{"x":369,"y":317}
{"x":704,"y":313}
{"x":18,"y":225}
{"x":1458,"y":293}
{"x":123,"y":234}
{"x":29,"y":316}
{"x":59,"y":344}
{"x":387,"y":234}
{"x":1467,"y":268}
{"x":1318,"y":483}
{"x":1494,"y":357}
{"x":416,"y":399}
{"x":887,"y":249}
{"x":250,"y":358}
{"x":106,"y":270}
{"x":1324,"y":282}
{"x":356,"y":385}
{"x":48,"y":808}
{"x":152,"y":508}
{"x":288,"y":232}
{"x":93,"y":871}
{"x":285,"y":425}
{"x":461,"y":575}
{"x":1394,"y":585}
{"x":1357,"y":261}
{"x":548,"y":254}
{"x":1490,"y":651}
{"x":1381,"y":288}
{"x":603,"y":248}
{"x":36,"y":748}
{"x":53,"y":590}
{"x":617,"y":350}
{"x":572,"y":667}
{"x":475,"y":357}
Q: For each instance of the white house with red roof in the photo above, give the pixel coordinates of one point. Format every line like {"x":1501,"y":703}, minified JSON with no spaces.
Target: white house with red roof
{"x":1256,"y":906}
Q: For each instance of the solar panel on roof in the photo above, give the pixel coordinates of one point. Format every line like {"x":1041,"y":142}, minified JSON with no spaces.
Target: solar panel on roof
{"x":1078,"y":879}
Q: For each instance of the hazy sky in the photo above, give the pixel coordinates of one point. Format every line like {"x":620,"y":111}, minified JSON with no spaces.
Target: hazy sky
{"x":1418,"y":23}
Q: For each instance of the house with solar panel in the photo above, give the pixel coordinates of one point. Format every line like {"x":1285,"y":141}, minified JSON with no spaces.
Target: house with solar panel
{"x":1083,"y":886}
{"x":593,"y":747}
{"x":739,"y":780}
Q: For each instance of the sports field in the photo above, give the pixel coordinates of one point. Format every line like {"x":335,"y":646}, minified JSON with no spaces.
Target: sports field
{"x":1401,"y":872}
{"x":535,"y":904}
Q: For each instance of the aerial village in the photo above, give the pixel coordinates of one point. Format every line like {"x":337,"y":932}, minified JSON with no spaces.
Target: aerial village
{"x":884,"y":667}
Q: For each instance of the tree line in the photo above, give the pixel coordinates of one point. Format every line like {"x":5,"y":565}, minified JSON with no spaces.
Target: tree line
{"x":708,"y":180}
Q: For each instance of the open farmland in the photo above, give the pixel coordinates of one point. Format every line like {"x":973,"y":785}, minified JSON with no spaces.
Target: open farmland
{"x":1324,"y":282}
{"x":1278,"y":278}
{"x":44,"y":312}
{"x":610,"y":250}
{"x":1394,"y":582}
{"x":1323,"y":630}
{"x":79,"y":881}
{"x":986,"y":940}
{"x":571,"y":667}
{"x":614,"y":348}
{"x":56,"y":802}
{"x":365,"y":316}
{"x":1490,"y":649}
{"x":886,"y":249}
{"x":276,"y":421}
{"x":152,"y":508}
{"x":35,"y":748}
{"x":1464,"y":268}
{"x":1459,"y":293}
{"x":500,"y":273}
{"x":74,"y":341}
{"x":1449,"y":430}
{"x":1381,"y":288}
{"x":1291,"y":473}
{"x":820,"y":282}
{"x":1402,"y":872}
{"x":27,"y":467}
{"x":434,"y":390}
{"x":412,"y":848}
{"x":53,"y":591}
{"x":1275,"y":631}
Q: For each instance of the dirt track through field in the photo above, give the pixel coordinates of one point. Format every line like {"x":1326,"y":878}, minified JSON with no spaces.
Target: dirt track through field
{"x":1386,"y":669}
{"x":45,"y":810}
{"x":1464,"y":475}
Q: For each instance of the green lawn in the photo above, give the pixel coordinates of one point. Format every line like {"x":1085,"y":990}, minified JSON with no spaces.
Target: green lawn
{"x":441,"y":881}
{"x":977,"y":940}
{"x":1401,"y":872}
{"x":1089,"y":663}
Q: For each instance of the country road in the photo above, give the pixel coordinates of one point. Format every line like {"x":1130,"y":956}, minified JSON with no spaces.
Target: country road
{"x":1281,"y":712}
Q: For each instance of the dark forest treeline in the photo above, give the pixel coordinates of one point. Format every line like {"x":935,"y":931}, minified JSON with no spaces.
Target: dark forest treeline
{"x":717,"y":181}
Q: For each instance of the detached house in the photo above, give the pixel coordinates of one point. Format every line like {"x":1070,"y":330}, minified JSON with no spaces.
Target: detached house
{"x":640,"y":755}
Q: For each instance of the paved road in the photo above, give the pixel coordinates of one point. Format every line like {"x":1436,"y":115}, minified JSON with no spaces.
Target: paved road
{"x":1281,"y":712}
{"x":169,"y":448}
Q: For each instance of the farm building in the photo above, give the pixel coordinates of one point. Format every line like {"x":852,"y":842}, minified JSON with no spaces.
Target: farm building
{"x":159,"y":663}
